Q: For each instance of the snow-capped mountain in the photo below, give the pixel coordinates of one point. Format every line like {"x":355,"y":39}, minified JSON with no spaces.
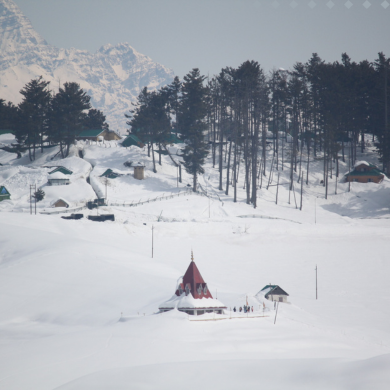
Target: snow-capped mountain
{"x":113,"y":76}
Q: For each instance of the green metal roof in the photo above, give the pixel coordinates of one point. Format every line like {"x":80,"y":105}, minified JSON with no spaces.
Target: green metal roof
{"x":132,"y":139}
{"x":63,"y":170}
{"x":91,"y":133}
{"x":4,"y":192}
{"x":268,"y":286}
{"x":5,"y":131}
{"x":372,"y":172}
{"x":110,"y":174}
{"x":274,"y":289}
{"x":173,"y":139}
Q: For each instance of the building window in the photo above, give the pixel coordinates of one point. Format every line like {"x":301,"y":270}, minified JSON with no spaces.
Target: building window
{"x":355,"y":179}
{"x":280,"y":299}
{"x":180,"y":290}
{"x":187,"y":289}
{"x":200,"y":290}
{"x":205,"y":289}
{"x":369,"y":180}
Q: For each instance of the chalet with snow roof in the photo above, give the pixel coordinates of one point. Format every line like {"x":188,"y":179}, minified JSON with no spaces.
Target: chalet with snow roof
{"x":58,"y":179}
{"x":4,"y":194}
{"x":365,"y":172}
{"x":274,"y":293}
{"x":132,"y":140}
{"x":192,"y":295}
{"x":98,"y":135}
{"x":61,"y":202}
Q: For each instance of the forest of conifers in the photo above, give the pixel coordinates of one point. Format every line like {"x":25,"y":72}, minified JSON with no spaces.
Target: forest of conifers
{"x":327,"y":108}
{"x":43,"y":117}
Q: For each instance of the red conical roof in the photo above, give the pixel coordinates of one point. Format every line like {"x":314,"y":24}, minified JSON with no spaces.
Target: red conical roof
{"x":194,"y":283}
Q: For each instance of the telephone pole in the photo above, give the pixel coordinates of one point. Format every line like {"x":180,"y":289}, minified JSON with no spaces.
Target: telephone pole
{"x":152,"y":239}
{"x":301,"y":190}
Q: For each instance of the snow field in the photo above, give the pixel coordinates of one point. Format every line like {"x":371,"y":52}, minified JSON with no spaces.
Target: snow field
{"x":79,"y":298}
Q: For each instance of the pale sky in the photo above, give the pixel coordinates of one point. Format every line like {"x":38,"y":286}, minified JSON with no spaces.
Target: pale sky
{"x":210,"y":35}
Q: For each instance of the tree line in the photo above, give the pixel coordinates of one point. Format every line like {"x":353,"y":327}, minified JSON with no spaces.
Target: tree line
{"x":326,"y":109}
{"x":47,"y":118}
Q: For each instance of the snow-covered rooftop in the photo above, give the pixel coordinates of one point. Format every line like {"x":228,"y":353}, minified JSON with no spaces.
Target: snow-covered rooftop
{"x":58,"y":175}
{"x":189,"y":302}
{"x":361,"y":162}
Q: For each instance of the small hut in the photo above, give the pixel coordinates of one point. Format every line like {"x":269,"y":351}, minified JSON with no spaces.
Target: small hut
{"x":192,"y":295}
{"x":365,"y":172}
{"x":4,"y":194}
{"x":61,"y":202}
{"x":58,"y":179}
{"x":131,"y":140}
{"x":273,"y":293}
{"x":139,"y":171}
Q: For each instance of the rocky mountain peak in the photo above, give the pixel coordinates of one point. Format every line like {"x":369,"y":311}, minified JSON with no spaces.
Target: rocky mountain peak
{"x":113,"y":76}
{"x":16,"y":31}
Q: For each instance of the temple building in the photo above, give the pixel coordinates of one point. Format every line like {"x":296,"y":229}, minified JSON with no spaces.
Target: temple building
{"x":192,"y":295}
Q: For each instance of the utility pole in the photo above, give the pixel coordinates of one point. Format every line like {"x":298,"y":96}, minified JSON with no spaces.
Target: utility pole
{"x":316,"y":284}
{"x":30,"y":201}
{"x":277,"y":306}
{"x":152,"y":240}
{"x":301,"y":190}
{"x":386,"y":119}
{"x":35,"y":191}
{"x":277,"y":189}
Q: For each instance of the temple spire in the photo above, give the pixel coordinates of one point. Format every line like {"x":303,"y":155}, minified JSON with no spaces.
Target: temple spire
{"x":192,"y":255}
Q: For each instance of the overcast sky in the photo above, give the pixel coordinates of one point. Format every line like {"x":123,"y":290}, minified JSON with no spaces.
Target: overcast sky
{"x":212,"y":34}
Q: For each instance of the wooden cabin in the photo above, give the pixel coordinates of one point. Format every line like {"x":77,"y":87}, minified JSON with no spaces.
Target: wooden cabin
{"x":274,"y":293}
{"x":364,"y":172}
{"x":61,"y":202}
{"x":98,"y":135}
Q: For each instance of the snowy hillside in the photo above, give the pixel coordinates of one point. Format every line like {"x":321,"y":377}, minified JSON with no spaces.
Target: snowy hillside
{"x":79,"y":299}
{"x":113,"y":76}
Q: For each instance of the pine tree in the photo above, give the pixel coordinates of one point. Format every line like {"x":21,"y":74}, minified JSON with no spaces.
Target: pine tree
{"x":150,"y":119}
{"x":95,"y":120}
{"x":39,"y":195}
{"x":67,"y":115}
{"x":33,"y":115}
{"x":192,"y":114}
{"x":382,"y":65}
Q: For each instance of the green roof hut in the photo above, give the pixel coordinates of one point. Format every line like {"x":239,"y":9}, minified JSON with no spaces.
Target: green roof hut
{"x":4,"y":194}
{"x":365,"y":172}
{"x":132,"y":140}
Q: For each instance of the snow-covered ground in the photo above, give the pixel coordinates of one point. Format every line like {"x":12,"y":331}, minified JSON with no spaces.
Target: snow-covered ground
{"x":79,"y":299}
